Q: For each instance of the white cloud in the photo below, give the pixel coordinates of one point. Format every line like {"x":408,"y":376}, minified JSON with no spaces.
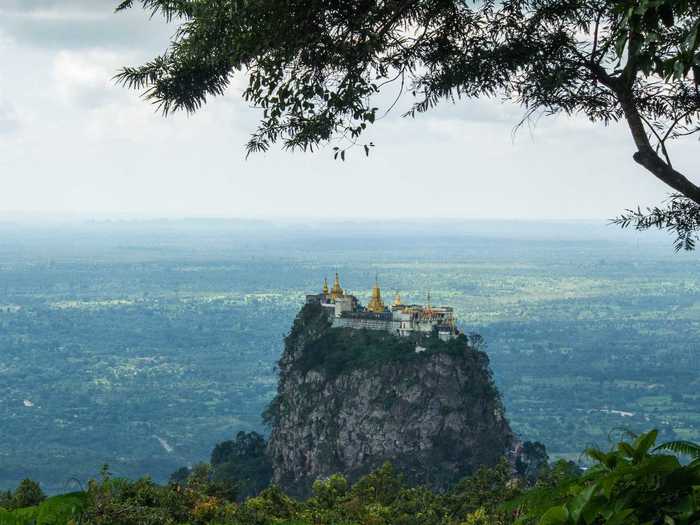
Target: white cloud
{"x":55,"y":13}
{"x":84,"y":77}
{"x":81,"y":24}
{"x":9,"y":120}
{"x":6,"y":41}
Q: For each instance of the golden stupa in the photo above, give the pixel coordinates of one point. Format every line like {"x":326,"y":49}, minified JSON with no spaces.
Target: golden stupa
{"x":337,"y":291}
{"x":375,"y":304}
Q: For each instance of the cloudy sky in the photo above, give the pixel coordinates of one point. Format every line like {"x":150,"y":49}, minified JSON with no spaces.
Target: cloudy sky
{"x":71,"y":142}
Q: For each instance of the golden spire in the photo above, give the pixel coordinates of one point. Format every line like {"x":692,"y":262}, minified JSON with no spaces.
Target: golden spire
{"x":325,"y":286}
{"x":376,"y":305}
{"x":397,"y":299}
{"x":337,"y":291}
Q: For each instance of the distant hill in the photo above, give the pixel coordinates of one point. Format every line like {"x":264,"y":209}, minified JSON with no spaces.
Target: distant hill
{"x":349,"y":400}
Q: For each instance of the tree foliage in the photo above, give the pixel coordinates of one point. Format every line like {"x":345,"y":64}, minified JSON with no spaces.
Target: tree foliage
{"x":315,"y":66}
{"x":532,"y":459}
{"x":116,"y":501}
{"x":635,"y":483}
{"x":27,"y":494}
{"x":243,"y":462}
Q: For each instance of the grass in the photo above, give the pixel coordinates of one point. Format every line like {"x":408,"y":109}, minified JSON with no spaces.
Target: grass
{"x":57,"y":510}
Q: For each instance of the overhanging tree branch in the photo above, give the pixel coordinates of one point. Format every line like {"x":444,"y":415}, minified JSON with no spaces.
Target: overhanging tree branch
{"x":605,"y":59}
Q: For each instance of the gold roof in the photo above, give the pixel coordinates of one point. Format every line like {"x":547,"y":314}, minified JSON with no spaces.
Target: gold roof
{"x":337,"y":291}
{"x":375,"y":304}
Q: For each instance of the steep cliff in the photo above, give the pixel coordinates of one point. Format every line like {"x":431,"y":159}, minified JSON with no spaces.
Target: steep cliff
{"x":349,"y":400}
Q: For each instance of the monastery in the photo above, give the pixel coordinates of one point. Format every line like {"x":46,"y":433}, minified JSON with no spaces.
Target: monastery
{"x":345,"y":311}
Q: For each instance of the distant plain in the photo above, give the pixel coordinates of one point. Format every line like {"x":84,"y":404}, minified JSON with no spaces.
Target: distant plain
{"x":140,"y":344}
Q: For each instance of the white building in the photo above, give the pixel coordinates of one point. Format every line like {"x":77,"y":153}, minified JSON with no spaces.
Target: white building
{"x":345,"y":311}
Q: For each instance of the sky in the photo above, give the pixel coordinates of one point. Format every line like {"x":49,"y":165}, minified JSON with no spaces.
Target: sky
{"x":74,"y":143}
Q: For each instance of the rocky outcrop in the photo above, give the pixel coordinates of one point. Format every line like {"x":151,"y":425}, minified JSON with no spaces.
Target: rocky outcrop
{"x":350,"y":400}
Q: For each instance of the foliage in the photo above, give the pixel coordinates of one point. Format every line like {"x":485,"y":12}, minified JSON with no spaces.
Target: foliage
{"x":681,"y":216}
{"x":315,"y":66}
{"x":27,"y":494}
{"x":6,"y":501}
{"x":481,"y":495}
{"x":340,"y":350}
{"x":270,"y":506}
{"x":343,"y":350}
{"x":553,"y":487}
{"x":329,"y":491}
{"x":243,"y":463}
{"x":56,"y":510}
{"x":180,"y":475}
{"x":309,"y":321}
{"x":114,"y":501}
{"x":634,"y":483}
{"x":25,"y":516}
{"x":629,"y":485}
{"x":686,"y":448}
{"x":532,"y":459}
{"x":246,"y":444}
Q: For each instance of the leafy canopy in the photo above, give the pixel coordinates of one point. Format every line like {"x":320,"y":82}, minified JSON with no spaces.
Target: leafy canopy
{"x":243,"y":462}
{"x":634,"y":483}
{"x":314,"y":68}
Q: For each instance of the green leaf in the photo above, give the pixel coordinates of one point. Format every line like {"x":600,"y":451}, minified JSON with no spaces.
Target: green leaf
{"x":644,"y":442}
{"x":555,"y":516}
{"x":627,"y":449}
{"x":686,"y":507}
{"x":597,"y":455}
{"x":687,"y":448}
{"x":576,"y":506}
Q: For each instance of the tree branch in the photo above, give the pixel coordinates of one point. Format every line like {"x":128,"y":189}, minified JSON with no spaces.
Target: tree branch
{"x":652,"y":162}
{"x":661,"y":142}
{"x":645,"y":154}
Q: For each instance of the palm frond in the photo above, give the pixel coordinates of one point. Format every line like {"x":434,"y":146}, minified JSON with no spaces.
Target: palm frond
{"x":686,"y":448}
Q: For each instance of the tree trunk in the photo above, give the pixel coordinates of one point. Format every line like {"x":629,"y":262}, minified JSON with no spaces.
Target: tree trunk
{"x":647,"y":157}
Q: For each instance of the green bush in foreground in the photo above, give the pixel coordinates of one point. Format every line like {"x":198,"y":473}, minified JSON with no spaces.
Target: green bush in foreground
{"x":635,"y":483}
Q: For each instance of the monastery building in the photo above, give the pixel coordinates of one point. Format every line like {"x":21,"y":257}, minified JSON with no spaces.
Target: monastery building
{"x":345,"y":311}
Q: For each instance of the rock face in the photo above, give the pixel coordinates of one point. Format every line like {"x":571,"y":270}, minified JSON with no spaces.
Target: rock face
{"x":349,"y":400}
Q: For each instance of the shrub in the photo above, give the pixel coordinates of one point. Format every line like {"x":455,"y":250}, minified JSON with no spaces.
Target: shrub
{"x":633,"y":483}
